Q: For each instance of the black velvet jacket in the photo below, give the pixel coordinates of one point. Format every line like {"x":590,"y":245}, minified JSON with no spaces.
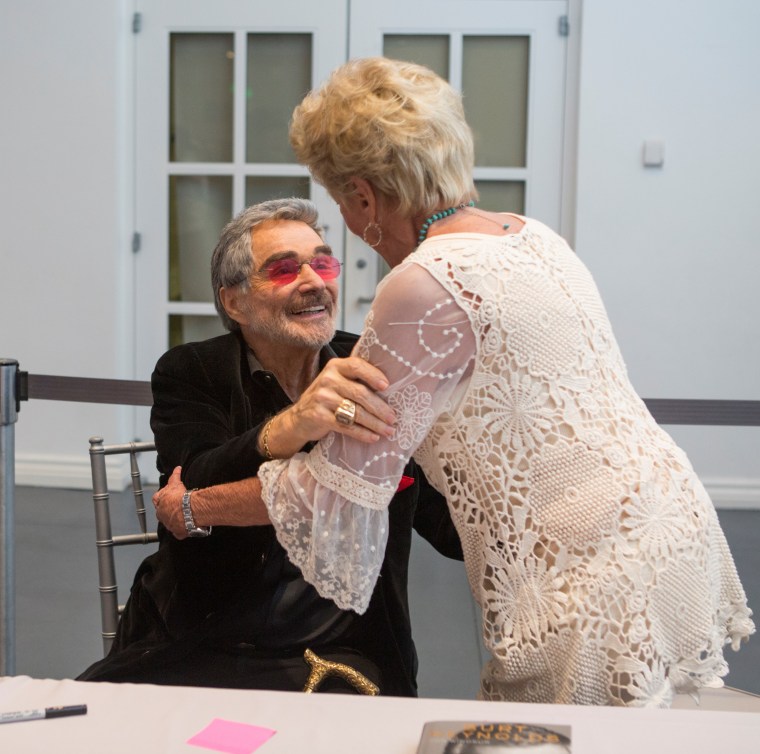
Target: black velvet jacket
{"x":238,"y":585}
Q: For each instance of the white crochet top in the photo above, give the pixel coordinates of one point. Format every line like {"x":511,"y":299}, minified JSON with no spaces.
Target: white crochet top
{"x":590,"y":545}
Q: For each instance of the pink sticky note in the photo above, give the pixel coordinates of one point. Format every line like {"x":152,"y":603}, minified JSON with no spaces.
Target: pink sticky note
{"x":234,"y":738}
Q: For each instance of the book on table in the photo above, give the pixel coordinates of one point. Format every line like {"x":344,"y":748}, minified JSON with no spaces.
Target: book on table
{"x":484,"y":737}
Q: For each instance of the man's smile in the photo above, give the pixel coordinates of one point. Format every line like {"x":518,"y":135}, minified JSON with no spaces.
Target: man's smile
{"x":314,"y":309}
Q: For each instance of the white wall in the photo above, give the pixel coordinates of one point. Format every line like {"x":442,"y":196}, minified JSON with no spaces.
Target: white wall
{"x":64,"y":237}
{"x":674,"y":250}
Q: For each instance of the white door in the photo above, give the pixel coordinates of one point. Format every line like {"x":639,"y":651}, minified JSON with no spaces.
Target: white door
{"x":509,"y":59}
{"x":215,"y":86}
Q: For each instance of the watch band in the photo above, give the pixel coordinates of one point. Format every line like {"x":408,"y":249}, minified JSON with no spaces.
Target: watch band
{"x":187,"y":514}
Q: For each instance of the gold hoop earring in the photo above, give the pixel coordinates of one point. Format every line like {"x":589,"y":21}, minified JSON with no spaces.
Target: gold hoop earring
{"x":373,"y":228}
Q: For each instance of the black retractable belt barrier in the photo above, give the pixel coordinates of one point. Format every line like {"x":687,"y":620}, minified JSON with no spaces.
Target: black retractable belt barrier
{"x":714,"y":413}
{"x":89,"y":390}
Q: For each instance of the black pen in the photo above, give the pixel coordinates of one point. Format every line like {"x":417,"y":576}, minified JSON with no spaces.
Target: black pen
{"x":41,"y":714}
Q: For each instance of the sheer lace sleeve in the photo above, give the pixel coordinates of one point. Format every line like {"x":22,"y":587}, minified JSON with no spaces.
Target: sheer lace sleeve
{"x":329,"y":507}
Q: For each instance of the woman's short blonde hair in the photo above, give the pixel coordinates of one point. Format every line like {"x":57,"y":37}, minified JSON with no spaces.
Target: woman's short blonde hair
{"x":396,"y":124}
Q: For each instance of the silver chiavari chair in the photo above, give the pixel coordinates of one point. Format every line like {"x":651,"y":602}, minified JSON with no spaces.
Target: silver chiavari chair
{"x":110,"y":609}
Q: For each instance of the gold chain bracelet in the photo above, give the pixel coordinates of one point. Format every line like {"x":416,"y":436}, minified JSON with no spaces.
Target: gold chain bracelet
{"x":265,"y":439}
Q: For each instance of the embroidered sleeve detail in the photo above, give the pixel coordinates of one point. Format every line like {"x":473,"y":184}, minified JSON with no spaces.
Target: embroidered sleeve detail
{"x":340,"y":554}
{"x":348,"y":485}
{"x":415,"y":413}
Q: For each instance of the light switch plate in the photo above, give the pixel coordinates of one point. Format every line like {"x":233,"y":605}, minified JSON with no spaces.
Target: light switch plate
{"x":654,"y":153}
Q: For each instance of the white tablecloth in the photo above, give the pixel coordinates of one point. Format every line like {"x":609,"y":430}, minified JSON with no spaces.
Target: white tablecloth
{"x":143,"y":719}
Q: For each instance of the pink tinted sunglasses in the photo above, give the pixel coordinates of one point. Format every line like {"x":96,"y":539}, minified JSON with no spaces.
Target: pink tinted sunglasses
{"x":285,"y":271}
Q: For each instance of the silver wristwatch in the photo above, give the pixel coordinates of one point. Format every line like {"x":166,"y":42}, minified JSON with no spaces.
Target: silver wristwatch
{"x":187,"y":514}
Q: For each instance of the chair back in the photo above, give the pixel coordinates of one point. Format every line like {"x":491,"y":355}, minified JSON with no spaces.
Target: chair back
{"x":105,"y":541}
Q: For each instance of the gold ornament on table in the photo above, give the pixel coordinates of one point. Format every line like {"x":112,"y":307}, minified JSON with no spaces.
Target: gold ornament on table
{"x":320,"y":669}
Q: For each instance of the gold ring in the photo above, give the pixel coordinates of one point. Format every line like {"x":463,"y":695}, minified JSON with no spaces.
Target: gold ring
{"x":346,"y":413}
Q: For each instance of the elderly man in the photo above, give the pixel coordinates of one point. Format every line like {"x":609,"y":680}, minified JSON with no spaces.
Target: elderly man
{"x":224,"y":606}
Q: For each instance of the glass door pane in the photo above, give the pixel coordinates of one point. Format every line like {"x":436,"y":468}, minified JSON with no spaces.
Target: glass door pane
{"x":495,"y":88}
{"x":199,"y":207}
{"x":186,"y":328}
{"x":200,"y":110}
{"x":431,"y":50}
{"x":261,"y":188}
{"x":501,"y":196}
{"x":279,"y":75}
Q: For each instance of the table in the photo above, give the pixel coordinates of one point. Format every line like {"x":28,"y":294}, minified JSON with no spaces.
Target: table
{"x":148,"y":719}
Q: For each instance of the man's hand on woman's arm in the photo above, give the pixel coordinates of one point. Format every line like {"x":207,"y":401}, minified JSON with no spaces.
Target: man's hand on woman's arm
{"x":312,"y":416}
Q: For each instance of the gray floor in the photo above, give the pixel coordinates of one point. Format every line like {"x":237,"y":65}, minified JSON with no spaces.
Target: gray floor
{"x":58,"y":620}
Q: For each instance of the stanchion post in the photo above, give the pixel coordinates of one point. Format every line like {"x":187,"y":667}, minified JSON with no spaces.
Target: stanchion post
{"x":9,"y":406}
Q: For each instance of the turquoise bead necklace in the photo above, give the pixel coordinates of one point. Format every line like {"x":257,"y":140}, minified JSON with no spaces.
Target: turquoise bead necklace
{"x":439,"y":216}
